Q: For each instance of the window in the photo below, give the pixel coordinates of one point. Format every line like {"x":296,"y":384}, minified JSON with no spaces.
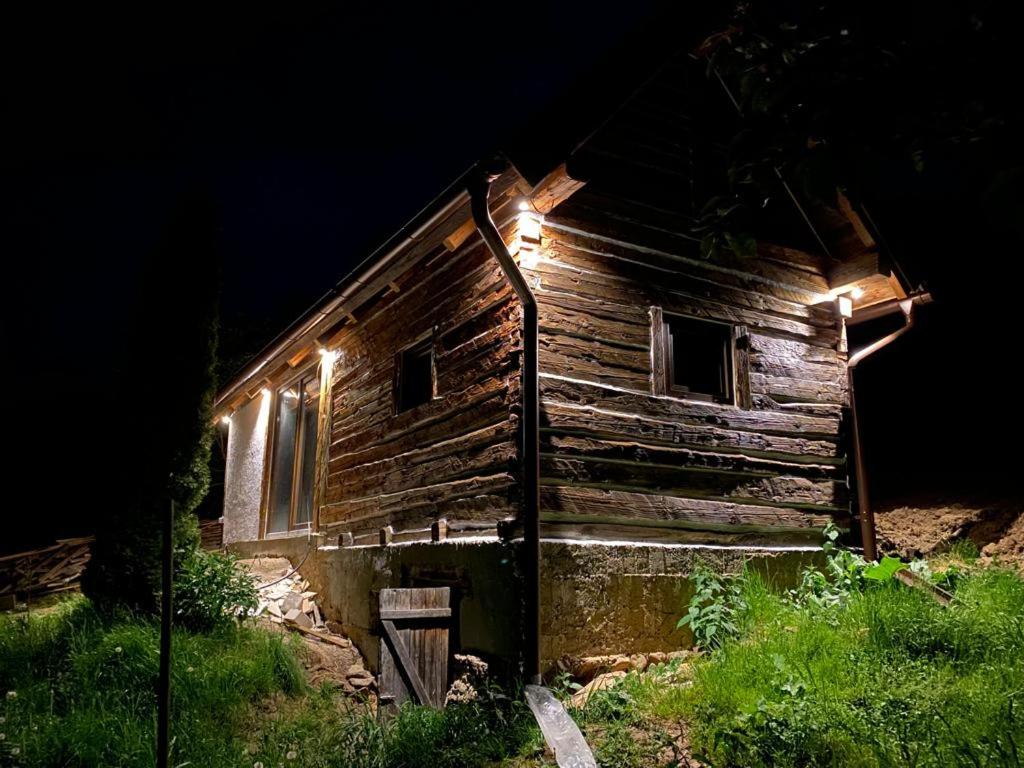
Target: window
{"x":294,"y":455}
{"x":415,"y":376}
{"x":697,"y":358}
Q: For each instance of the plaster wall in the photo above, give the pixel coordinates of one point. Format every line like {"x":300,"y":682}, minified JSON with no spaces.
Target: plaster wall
{"x":243,"y":474}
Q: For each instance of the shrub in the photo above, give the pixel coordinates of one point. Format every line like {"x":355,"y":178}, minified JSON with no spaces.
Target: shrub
{"x":210,"y":592}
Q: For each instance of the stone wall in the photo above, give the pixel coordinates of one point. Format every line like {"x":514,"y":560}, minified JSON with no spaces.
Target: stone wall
{"x":483,"y":575}
{"x":604,"y":598}
{"x":596,"y":598}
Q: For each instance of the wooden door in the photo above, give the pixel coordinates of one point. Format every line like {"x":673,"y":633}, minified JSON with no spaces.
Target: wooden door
{"x":414,"y":645}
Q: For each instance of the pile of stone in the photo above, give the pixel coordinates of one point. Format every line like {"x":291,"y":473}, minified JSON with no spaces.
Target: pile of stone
{"x":288,"y":600}
{"x":596,"y":673}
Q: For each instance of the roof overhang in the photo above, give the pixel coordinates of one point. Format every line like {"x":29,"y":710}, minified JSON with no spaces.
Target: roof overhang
{"x":445,"y":223}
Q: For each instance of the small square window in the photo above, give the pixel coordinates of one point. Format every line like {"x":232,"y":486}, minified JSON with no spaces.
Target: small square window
{"x":698,"y":358}
{"x":415,"y":376}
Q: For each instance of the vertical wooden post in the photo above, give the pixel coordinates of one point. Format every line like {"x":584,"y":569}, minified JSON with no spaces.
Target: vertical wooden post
{"x":657,"y":351}
{"x":323,"y":436}
{"x":439,"y":530}
{"x":741,"y":360}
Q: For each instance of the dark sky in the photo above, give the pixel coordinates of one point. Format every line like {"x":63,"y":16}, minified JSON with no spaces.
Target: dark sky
{"x":318,"y":133}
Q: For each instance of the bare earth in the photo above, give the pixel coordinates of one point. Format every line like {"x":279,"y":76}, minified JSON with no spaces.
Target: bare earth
{"x":919,"y":530}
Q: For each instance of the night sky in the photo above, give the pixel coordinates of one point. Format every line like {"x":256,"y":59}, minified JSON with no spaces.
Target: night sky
{"x":318,"y":135}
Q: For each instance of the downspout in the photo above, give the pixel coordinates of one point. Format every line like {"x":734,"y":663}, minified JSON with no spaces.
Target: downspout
{"x":864,"y":513}
{"x":478,"y":187}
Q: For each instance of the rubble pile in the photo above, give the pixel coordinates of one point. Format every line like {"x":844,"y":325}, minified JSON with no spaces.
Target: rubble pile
{"x":287,"y":600}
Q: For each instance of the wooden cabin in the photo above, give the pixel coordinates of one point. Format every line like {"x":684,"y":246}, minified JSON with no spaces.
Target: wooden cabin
{"x":688,"y":407}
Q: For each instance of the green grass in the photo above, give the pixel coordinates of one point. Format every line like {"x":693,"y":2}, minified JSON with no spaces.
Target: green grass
{"x":79,"y":691}
{"x":885,"y":678}
{"x":890,"y":678}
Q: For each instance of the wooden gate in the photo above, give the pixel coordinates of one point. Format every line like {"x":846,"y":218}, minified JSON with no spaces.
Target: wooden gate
{"x":414,"y":647}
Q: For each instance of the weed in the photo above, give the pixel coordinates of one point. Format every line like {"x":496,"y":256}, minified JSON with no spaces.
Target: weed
{"x":713,"y":610}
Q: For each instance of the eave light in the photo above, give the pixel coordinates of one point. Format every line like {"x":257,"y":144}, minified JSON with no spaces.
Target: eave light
{"x":225,"y":419}
{"x":857,"y":293}
{"x":845,"y":306}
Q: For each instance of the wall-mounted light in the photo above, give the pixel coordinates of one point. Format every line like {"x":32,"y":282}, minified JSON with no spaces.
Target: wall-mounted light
{"x":524,"y":205}
{"x":265,"y":392}
{"x":528,"y":237}
{"x":857,"y":293}
{"x":845,"y":306}
{"x":324,"y":352}
{"x":226,"y":419}
{"x":529,"y":226}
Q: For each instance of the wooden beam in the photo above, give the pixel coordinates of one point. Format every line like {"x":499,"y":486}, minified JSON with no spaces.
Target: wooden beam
{"x":460,"y":235}
{"x":299,"y":356}
{"x":405,"y":662}
{"x":439,"y":530}
{"x":855,"y":220}
{"x":862,"y":266}
{"x":408,"y":614}
{"x":323,"y":436}
{"x":553,"y":189}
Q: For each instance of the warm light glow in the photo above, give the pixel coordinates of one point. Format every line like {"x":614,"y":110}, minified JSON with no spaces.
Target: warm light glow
{"x":524,"y":205}
{"x":324,"y":351}
{"x":265,"y":392}
{"x":857,"y":293}
{"x":529,"y":227}
{"x":225,"y":419}
{"x":528,"y":258}
{"x":845,"y":306}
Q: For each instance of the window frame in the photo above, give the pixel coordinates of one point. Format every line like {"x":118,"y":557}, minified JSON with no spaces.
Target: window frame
{"x":307,"y":374}
{"x":735,"y":360}
{"x":427,"y":343}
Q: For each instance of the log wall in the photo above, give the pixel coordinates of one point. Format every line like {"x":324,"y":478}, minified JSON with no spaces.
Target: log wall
{"x":455,"y":457}
{"x":622,"y":462}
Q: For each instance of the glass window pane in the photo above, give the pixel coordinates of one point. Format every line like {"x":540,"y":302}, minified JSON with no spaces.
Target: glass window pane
{"x":284,"y":459}
{"x":310,"y":410}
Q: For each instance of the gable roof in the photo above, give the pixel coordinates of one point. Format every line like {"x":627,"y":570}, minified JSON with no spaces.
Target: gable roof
{"x":632,"y":125}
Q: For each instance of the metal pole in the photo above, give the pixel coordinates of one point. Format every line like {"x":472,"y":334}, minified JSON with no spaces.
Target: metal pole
{"x":163,"y":691}
{"x":479,"y":187}
{"x":865,"y":514}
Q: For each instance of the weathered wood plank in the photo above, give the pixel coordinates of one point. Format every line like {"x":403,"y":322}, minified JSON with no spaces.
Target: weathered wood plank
{"x":559,"y":389}
{"x":569,"y":504}
{"x":695,"y":482}
{"x":598,"y":421}
{"x":414,"y":656}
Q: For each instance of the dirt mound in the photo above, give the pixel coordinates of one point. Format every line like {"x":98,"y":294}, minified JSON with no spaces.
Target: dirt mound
{"x":930,"y":528}
{"x":1009,"y":550}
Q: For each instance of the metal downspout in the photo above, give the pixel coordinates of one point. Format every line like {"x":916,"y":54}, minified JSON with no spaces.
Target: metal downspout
{"x":479,"y":187}
{"x":864,"y":513}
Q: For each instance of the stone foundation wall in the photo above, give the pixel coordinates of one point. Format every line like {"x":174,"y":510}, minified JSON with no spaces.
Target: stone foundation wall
{"x":599,"y":598}
{"x":483,"y":576}
{"x":596,"y":598}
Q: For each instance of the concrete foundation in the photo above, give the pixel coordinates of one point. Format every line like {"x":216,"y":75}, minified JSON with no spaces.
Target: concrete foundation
{"x":596,"y":597}
{"x":482,"y":573}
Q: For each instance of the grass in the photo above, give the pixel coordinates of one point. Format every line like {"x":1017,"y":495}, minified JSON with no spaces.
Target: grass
{"x":79,"y":691}
{"x":888,"y":678}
